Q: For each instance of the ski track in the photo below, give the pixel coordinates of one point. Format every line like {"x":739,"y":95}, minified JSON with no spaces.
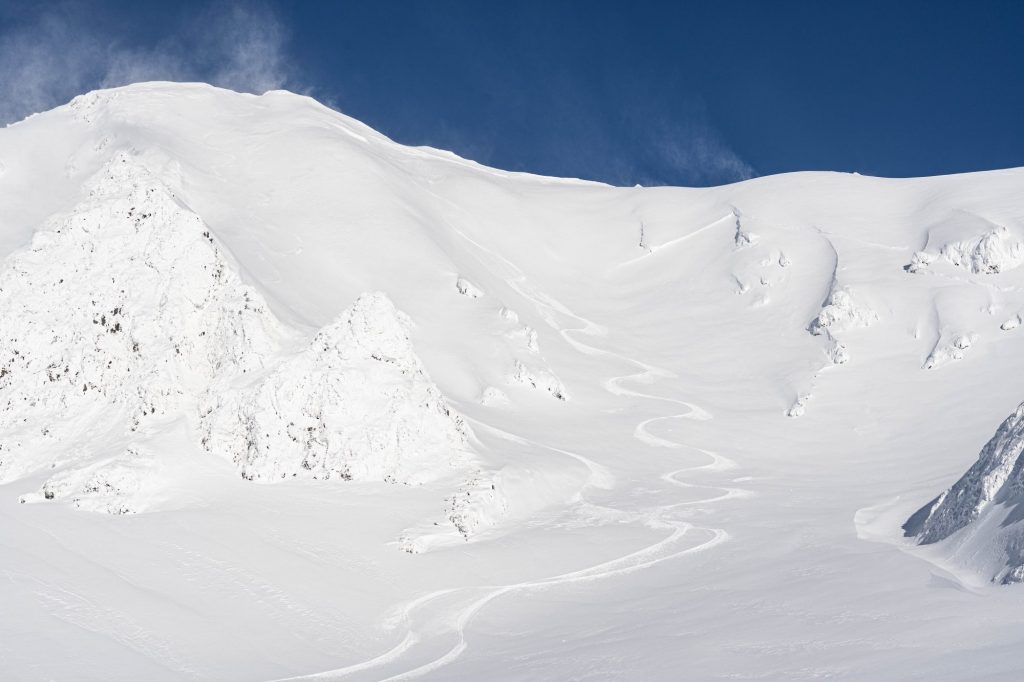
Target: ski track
{"x":672,"y":242}
{"x":453,"y":622}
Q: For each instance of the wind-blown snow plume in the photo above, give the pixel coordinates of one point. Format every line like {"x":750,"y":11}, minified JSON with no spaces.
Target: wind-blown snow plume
{"x":51,"y":59}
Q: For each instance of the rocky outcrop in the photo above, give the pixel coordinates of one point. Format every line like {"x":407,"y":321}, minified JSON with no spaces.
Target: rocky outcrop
{"x":125,"y":308}
{"x":356,"y":403}
{"x":992,"y":489}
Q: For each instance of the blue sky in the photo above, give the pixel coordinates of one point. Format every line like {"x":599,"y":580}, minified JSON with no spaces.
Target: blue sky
{"x":626,"y":92}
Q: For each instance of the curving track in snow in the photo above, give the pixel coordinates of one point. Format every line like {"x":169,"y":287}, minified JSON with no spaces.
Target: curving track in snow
{"x":436,"y":622}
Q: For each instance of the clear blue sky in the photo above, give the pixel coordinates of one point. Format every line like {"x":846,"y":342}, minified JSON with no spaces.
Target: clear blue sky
{"x":626,"y":92}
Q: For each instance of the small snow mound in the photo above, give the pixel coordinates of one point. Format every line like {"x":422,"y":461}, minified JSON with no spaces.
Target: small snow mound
{"x":840,"y":313}
{"x":950,"y":349}
{"x":919,"y":262}
{"x":109,"y":487}
{"x":493,"y":396}
{"x":508,"y":315}
{"x":528,"y":337}
{"x":477,"y":504}
{"x":799,"y":406}
{"x":1011,"y":323}
{"x":540,"y":379}
{"x":838,"y":353}
{"x":355,"y":404}
{"x":467,"y":288}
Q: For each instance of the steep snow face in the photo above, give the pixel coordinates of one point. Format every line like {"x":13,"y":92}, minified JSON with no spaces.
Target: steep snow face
{"x":355,"y":404}
{"x":123,"y":309}
{"x":992,"y":487}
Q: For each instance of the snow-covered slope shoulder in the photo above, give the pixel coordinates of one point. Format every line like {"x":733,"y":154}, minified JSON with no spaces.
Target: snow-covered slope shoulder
{"x":983,"y":508}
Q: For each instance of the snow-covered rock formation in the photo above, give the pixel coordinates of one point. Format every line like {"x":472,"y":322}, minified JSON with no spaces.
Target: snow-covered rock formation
{"x":467,"y":288}
{"x":987,"y":497}
{"x":539,"y":378}
{"x":127,"y":306}
{"x":124,"y":313}
{"x":356,"y":403}
{"x":993,"y":251}
{"x":840,"y":312}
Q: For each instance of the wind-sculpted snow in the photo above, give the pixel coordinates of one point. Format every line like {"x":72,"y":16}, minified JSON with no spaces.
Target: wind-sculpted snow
{"x":992,"y":487}
{"x":125,"y":307}
{"x":355,"y":404}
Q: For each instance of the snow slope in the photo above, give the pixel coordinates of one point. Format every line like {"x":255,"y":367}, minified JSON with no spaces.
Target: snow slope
{"x":354,"y":410}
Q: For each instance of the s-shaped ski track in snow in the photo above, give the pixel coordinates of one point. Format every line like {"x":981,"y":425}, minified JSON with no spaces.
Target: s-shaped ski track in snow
{"x":436,"y":622}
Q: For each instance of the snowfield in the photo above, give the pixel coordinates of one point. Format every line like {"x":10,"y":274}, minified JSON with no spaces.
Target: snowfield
{"x":282,"y":399}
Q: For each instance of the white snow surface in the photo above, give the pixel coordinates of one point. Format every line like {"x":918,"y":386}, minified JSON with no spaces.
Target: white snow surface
{"x":282,"y":399}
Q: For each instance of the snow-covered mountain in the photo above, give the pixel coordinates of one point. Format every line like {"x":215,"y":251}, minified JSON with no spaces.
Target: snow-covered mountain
{"x":281,"y":397}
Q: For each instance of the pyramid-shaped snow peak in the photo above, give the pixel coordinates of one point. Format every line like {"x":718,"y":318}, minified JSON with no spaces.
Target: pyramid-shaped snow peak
{"x":118,"y":313}
{"x":356,"y":403}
